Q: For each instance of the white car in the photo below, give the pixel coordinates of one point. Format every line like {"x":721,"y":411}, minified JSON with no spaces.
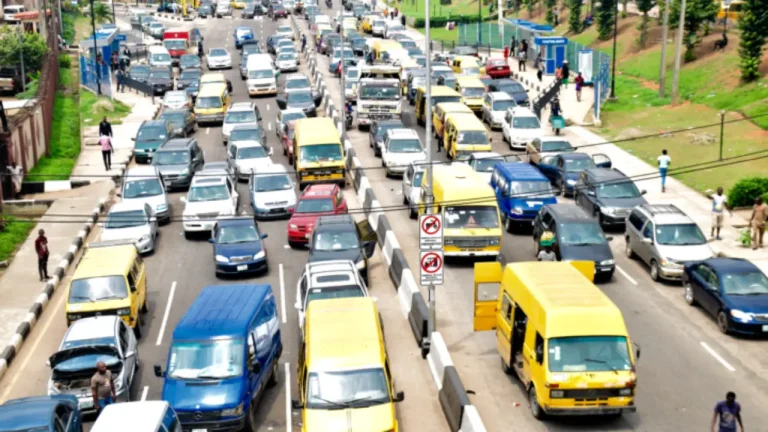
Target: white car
{"x":484,"y":162}
{"x":520,"y":127}
{"x":378,"y":27}
{"x":273,"y":193}
{"x":247,"y":158}
{"x":133,"y":221}
{"x":411,"y":186}
{"x":392,"y":28}
{"x":284,"y":43}
{"x":297,"y":82}
{"x":177,"y":99}
{"x":262,"y":81}
{"x":495,"y":106}
{"x":210,"y":196}
{"x":218,"y":58}
{"x":289,"y":50}
{"x":289,"y":5}
{"x":328,"y":279}
{"x":286,"y":62}
{"x":142,"y":184}
{"x":336,"y":56}
{"x":401,"y":148}
{"x":350,"y":91}
{"x":240,"y":113}
{"x":286,"y":30}
{"x":284,"y":117}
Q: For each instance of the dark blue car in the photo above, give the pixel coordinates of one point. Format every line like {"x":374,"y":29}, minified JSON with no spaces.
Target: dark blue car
{"x":563,"y":169}
{"x":242,"y":34}
{"x":734,"y":291}
{"x":238,"y":247}
{"x":41,"y":414}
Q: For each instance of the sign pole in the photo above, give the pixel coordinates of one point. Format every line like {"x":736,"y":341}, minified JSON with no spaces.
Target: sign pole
{"x":428,"y":144}
{"x":431,"y":264}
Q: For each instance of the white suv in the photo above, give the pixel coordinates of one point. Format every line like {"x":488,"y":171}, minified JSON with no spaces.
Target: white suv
{"x":401,"y":148}
{"x":520,"y":127}
{"x":327,"y":280}
{"x":210,"y":196}
{"x":247,"y":158}
{"x":240,"y":113}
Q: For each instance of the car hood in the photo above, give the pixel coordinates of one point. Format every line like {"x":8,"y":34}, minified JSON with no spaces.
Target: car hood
{"x":193,"y":208}
{"x":302,"y":105}
{"x":526,"y":133}
{"x":268,"y":199}
{"x":154,"y":201}
{"x":220,"y":59}
{"x":306,"y":219}
{"x":238,"y":249}
{"x":257,"y":81}
{"x":686,"y":253}
{"x":406,"y":158}
{"x":622,"y":203}
{"x":593,"y":252}
{"x":144,"y":144}
{"x":749,"y":303}
{"x":160,"y":81}
{"x":130,"y":233}
{"x":171,"y":169}
{"x":354,"y":255}
{"x":252,"y":165}
{"x":202,"y":395}
{"x":378,"y":417}
{"x":67,"y":354}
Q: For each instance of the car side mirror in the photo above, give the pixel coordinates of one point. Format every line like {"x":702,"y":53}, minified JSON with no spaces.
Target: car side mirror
{"x":609,"y":238}
{"x":643,"y":192}
{"x":490,"y":139}
{"x":212,"y":241}
{"x":399,"y":396}
{"x":295,"y":404}
{"x":591,"y":193}
{"x":120,"y":194}
{"x":647,"y":240}
{"x":297,"y":306}
{"x":264,"y":235}
{"x":48,"y":363}
{"x":159,"y":371}
{"x":133,"y":138}
{"x":281,"y":102}
{"x":290,"y":209}
{"x":256,"y":366}
{"x":130,"y":354}
{"x":637,"y":351}
{"x":369,"y":247}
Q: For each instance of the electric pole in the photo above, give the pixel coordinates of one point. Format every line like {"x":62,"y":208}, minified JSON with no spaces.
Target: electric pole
{"x":664,"y":35}
{"x":678,"y":52}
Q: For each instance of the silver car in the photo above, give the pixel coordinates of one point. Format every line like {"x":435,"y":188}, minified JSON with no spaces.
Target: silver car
{"x":89,"y":340}
{"x":664,"y":238}
{"x":142,"y":184}
{"x":273,"y":193}
{"x":412,"y":186}
{"x":177,"y":99}
{"x":240,"y":114}
{"x":131,"y":221}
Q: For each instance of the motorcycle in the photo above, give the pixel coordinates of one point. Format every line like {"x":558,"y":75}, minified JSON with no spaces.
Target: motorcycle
{"x":348,"y":115}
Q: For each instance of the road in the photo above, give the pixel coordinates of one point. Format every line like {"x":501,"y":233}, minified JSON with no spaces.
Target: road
{"x":179,"y":269}
{"x":686,"y":365}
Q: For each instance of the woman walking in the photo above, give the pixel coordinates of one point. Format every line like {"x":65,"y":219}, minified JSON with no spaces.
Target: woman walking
{"x":106,"y":151}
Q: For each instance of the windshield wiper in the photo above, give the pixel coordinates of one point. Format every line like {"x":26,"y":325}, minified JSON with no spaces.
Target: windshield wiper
{"x":602,"y":362}
{"x":338,"y":405}
{"x":81,"y":298}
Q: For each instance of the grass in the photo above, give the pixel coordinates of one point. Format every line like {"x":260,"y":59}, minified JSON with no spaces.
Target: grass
{"x":442,"y":35}
{"x":458,"y":8}
{"x":75,"y":27}
{"x":15,"y":234}
{"x":93,"y":115}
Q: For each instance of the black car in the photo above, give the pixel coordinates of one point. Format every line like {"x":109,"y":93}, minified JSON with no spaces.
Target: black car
{"x":187,"y":77}
{"x":607,"y":194}
{"x":190,"y":61}
{"x":192,"y":89}
{"x":139,"y":73}
{"x":338,"y":237}
{"x":182,"y":121}
{"x":272,"y":41}
{"x":205,"y":11}
{"x":161,"y":79}
{"x":578,"y":237}
{"x":300,"y":99}
{"x":150,"y":136}
{"x":512,"y":88}
{"x":328,"y":41}
{"x":378,"y":132}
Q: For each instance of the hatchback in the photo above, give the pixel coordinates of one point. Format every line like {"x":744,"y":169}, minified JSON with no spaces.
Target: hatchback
{"x":238,"y":247}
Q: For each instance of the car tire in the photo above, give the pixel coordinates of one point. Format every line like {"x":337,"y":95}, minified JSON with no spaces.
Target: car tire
{"x":405,"y":200}
{"x":508,"y":224}
{"x":274,"y":377}
{"x":144,"y":308}
{"x":506,"y":369}
{"x":688,"y":294}
{"x":533,"y":402}
{"x":722,"y":323}
{"x":187,"y":235}
{"x":655,"y":271}
{"x":137,"y":329}
{"x":412,"y":212}
{"x":628,"y":249}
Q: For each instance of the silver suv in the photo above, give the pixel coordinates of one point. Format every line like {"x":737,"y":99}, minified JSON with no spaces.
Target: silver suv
{"x":664,"y":238}
{"x":328,"y":280}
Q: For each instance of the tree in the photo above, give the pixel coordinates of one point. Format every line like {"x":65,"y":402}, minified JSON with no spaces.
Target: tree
{"x":32,"y":46}
{"x":550,"y":14}
{"x":697,"y":12}
{"x":644,"y":6}
{"x":574,"y":20}
{"x":752,"y":22}
{"x":101,"y":13}
{"x":605,"y":16}
{"x":529,"y":6}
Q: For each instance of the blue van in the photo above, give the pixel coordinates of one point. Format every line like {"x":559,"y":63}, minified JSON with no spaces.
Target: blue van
{"x":521,"y":190}
{"x":225,"y":351}
{"x":57,"y":413}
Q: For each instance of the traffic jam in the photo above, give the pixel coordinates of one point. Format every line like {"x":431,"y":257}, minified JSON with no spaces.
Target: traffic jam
{"x":234,"y":283}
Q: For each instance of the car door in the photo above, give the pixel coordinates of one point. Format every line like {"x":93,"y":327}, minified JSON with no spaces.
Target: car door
{"x":706,"y":290}
{"x":231,"y":157}
{"x":279,"y":124}
{"x":127,"y":341}
{"x":151,"y":219}
{"x":189,"y":122}
{"x":66,"y":418}
{"x":233,"y":194}
{"x":643,"y":249}
{"x":634,"y":229}
{"x":534,"y":151}
{"x":407,"y":183}
{"x":580,"y":193}
{"x":340,"y":202}
{"x":548,"y":167}
{"x":368,"y":237}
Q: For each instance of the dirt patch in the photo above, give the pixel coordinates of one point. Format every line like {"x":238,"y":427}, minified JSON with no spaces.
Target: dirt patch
{"x":629,"y":133}
{"x":707,"y":46}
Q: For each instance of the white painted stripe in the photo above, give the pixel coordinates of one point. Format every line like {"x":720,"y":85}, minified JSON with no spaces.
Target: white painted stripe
{"x":626,"y":275}
{"x":42,"y":299}
{"x":717,"y":356}
{"x":144,"y":393}
{"x":269,"y":126}
{"x":16,"y":341}
{"x":267,"y":107}
{"x":288,"y":406}
{"x":165,"y":315}
{"x":207,"y":130}
{"x":72,"y":249}
{"x":282,"y":294}
{"x":30,"y":319}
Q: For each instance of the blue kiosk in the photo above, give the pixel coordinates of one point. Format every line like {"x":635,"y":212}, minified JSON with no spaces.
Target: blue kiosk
{"x":553,"y":50}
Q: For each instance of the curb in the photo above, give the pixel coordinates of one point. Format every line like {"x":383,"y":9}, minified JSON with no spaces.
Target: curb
{"x":10,"y":351}
{"x":52,"y":186}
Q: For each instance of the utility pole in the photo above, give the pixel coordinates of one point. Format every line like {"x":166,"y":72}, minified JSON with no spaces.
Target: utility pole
{"x":479,"y":25}
{"x":678,"y":52}
{"x":664,"y":36}
{"x":95,"y":51}
{"x":612,"y":96}
{"x":21,"y":59}
{"x":428,"y":145}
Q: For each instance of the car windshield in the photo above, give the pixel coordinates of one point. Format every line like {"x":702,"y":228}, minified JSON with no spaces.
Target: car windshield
{"x":189,"y":59}
{"x":97,"y":288}
{"x":525,"y":123}
{"x":679,"y":235}
{"x":418,"y":82}
{"x":745,"y":283}
{"x":407,"y":43}
{"x":240,"y":117}
{"x":405,"y":146}
{"x":299,"y":97}
{"x":625,"y":189}
{"x":441,"y":99}
{"x":188,"y":75}
{"x":486,"y":164}
{"x":208,"y":102}
{"x":237,"y":234}
{"x":151,"y":133}
{"x":270,"y":183}
{"x":217,"y":192}
{"x":503,"y":105}
{"x":260,"y":73}
{"x":171,"y":158}
{"x":240,"y":33}
{"x":175,"y":44}
{"x":335,"y":292}
{"x":470,"y":71}
{"x":175,"y":98}
{"x":380,"y":92}
{"x":473,"y":92}
{"x":347,"y":53}
{"x":578,"y":165}
{"x":215,"y":359}
{"x":300,"y":83}
{"x":471,"y":217}
{"x":528,"y":189}
{"x":336,"y":241}
{"x":315,"y":205}
{"x":381,"y":130}
{"x":289,"y":116}
{"x":175,"y":119}
{"x":285,"y":57}
{"x":359,"y":42}
{"x":218,"y":52}
{"x":556,"y":146}
{"x":161,"y":57}
{"x":472,"y":137}
{"x":245,"y":135}
{"x":142,"y":188}
{"x":512,"y":88}
{"x":320,"y":152}
{"x":162,"y":74}
{"x":125,"y":219}
{"x":580,"y":234}
{"x":347,"y":389}
{"x":251,"y":49}
{"x":254,"y":152}
{"x":139,"y":71}
{"x":588,"y":354}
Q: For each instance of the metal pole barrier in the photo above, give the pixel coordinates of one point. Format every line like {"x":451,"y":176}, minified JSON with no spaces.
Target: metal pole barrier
{"x":342,"y":72}
{"x":428,"y":145}
{"x":722,"y":130}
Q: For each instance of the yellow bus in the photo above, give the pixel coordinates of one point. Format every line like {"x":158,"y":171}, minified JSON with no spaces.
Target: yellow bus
{"x":443,"y":109}
{"x":472,"y":91}
{"x":564,"y":339}
{"x":211,"y":103}
{"x":471,"y":226}
{"x":464,"y":134}
{"x":318,"y":152}
{"x":381,"y":46}
{"x":439,"y":95}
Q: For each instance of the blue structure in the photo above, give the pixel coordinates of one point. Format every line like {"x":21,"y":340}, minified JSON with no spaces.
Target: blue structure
{"x":553,"y":50}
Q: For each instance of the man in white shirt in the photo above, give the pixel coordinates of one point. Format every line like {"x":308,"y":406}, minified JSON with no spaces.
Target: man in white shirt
{"x":719,"y":203}
{"x":664,"y":161}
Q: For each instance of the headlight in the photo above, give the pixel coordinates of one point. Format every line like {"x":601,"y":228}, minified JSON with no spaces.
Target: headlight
{"x":448,"y":242}
{"x":516,"y":210}
{"x":741,"y":315}
{"x":293,"y":226}
{"x":161,"y":207}
{"x":607,"y":210}
{"x":74,"y":317}
{"x":124,"y":311}
{"x":360,"y":264}
{"x":570,"y":182}
{"x":607,"y":262}
{"x":670,"y":263}
{"x":625,"y":392}
{"x":554,"y":394}
{"x":144,"y":238}
{"x":222,"y":259}
{"x":259,"y":255}
{"x":185,"y":172}
{"x":494,"y":242}
{"x":236,"y":411}
{"x":53,"y":388}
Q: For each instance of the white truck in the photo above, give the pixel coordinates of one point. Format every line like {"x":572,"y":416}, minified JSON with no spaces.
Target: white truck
{"x":378,"y":94}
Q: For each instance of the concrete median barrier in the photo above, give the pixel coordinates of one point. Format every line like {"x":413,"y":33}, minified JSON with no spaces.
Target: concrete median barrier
{"x":453,"y":398}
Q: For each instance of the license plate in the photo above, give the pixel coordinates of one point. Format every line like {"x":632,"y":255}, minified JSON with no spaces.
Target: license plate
{"x":243,"y":267}
{"x":765,"y":328}
{"x":199,"y":430}
{"x":86,"y":404}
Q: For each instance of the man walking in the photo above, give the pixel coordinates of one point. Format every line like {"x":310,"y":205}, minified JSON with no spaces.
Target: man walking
{"x":303,"y":42}
{"x":521,"y":60}
{"x":729,"y":412}
{"x":757,"y":222}
{"x":102,"y":387}
{"x":41,"y":247}
{"x":105,"y":128}
{"x":106,"y":151}
{"x":120,"y":80}
{"x":579,"y":81}
{"x":17,"y":175}
{"x":719,"y":203}
{"x":566,"y":73}
{"x":663,"y":161}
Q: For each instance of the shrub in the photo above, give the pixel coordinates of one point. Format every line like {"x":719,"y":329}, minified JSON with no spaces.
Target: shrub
{"x":65,"y":61}
{"x":744,"y":192}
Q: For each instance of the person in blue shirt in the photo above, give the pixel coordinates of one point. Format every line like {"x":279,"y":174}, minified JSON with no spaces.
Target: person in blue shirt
{"x":729,"y":412}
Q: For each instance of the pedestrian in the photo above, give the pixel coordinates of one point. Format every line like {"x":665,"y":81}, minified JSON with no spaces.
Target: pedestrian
{"x":757,"y":222}
{"x":559,"y":74}
{"x":540,"y":71}
{"x":397,"y":12}
{"x":303,"y":42}
{"x":386,"y":12}
{"x":123,"y":64}
{"x":719,"y":203}
{"x":105,"y":128}
{"x":113,"y":62}
{"x":513,"y":47}
{"x":17,"y":175}
{"x":521,"y":60}
{"x":102,"y":387}
{"x":524,"y":46}
{"x":664,"y":160}
{"x":537,"y":61}
{"x":546,"y":241}
{"x":120,"y":80}
{"x":729,"y":412}
{"x":41,"y":247}
{"x":200,"y":48}
{"x":106,"y":151}
{"x":557,"y":17}
{"x":566,"y":73}
{"x":402,"y":19}
{"x":579,"y":81}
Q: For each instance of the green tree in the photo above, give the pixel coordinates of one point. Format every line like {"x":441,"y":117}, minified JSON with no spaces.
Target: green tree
{"x":529,"y":7}
{"x":101,"y":13}
{"x":752,"y":23}
{"x":697,"y":12}
{"x":644,"y":6}
{"x":574,"y":20}
{"x":32,"y":48}
{"x":605,"y":16}
{"x":550,"y":13}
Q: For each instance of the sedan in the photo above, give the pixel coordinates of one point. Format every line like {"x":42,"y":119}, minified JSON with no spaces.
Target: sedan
{"x":238,"y":247}
{"x":182,"y":121}
{"x":176,"y":100}
{"x":187,"y":77}
{"x":540,"y":148}
{"x":241,"y":35}
{"x":286,"y":62}
{"x":132,"y":221}
{"x":189,"y":61}
{"x":139,"y":73}
{"x":277,"y":10}
{"x":286,"y":116}
{"x":300,"y":100}
{"x":286,"y":31}
{"x":219,"y":58}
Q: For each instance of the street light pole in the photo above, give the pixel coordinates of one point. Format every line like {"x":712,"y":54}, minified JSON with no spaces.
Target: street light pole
{"x":95,"y":51}
{"x":21,"y":59}
{"x":663,"y":69}
{"x":615,"y":33}
{"x":479,"y":24}
{"x":678,"y":51}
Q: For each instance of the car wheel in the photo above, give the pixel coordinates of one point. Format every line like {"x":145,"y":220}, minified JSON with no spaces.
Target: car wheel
{"x":560,"y":188}
{"x":628,"y":249}
{"x":688,"y":294}
{"x":508,"y":224}
{"x":507,"y":370}
{"x":405,"y":199}
{"x":412,"y":212}
{"x":144,"y":308}
{"x":536,"y":247}
{"x":722,"y":322}
{"x":533,"y":401}
{"x":274,"y":378}
{"x":187,"y":235}
{"x":655,"y":271}
{"x":137,"y":329}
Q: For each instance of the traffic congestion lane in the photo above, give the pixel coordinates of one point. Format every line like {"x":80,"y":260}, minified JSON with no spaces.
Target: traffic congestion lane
{"x":646,"y":314}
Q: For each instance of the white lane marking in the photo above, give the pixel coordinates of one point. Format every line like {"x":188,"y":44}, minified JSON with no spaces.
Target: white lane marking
{"x":165,"y":315}
{"x":717,"y":357}
{"x":144,"y":393}
{"x":288,"y":420}
{"x":269,"y":126}
{"x":282,"y":293}
{"x":267,"y":107}
{"x":207,"y":130}
{"x":626,"y":275}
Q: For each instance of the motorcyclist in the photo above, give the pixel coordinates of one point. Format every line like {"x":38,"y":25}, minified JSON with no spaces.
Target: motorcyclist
{"x":555,"y":107}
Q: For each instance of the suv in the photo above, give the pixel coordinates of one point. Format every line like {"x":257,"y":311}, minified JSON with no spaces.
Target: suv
{"x":378,"y":133}
{"x":607,"y":194}
{"x":577,"y":237}
{"x":150,"y":136}
{"x":495,"y":106}
{"x":520,"y":127}
{"x":665,"y":239}
{"x":209,"y":197}
{"x":240,"y":114}
{"x":339,"y":237}
{"x":327,"y":280}
{"x":177,"y":161}
{"x":401,"y":148}
{"x":273,"y":193}
{"x":297,"y":82}
{"x":317,"y":200}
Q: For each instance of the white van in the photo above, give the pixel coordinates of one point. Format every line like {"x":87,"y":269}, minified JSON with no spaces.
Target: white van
{"x":10,"y":11}
{"x":145,"y":416}
{"x":159,"y":56}
{"x":520,"y":127}
{"x":136,"y":15}
{"x":261,"y":75}
{"x":393,"y":27}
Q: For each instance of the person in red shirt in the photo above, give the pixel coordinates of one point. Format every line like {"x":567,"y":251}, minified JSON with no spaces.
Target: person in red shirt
{"x":579,"y":84}
{"x":41,"y":247}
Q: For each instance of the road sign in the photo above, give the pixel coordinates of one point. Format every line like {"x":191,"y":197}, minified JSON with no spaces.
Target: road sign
{"x":430,"y":232}
{"x":120,"y":37}
{"x":431,"y":267}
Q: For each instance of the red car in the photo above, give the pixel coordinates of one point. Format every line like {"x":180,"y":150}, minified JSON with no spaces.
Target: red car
{"x":317,"y":200}
{"x":497,"y":68}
